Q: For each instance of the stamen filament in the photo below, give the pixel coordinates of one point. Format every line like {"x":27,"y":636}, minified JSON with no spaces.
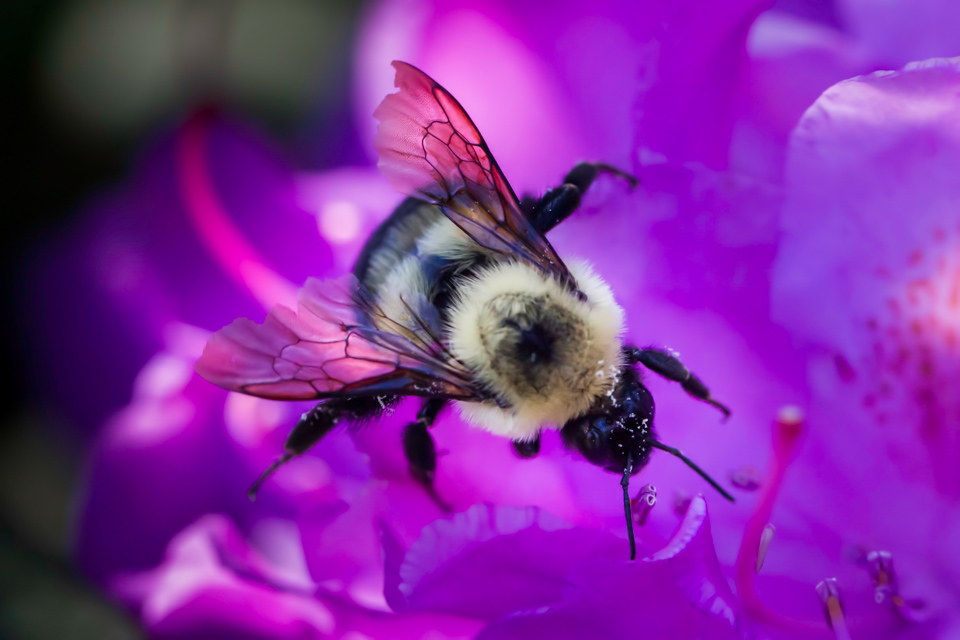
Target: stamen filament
{"x":787,"y":429}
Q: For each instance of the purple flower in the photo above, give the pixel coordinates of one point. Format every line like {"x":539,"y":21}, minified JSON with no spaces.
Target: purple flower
{"x":796,"y":248}
{"x":534,"y":575}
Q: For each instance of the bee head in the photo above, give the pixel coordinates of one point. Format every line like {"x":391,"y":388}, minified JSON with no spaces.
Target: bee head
{"x":615,"y":433}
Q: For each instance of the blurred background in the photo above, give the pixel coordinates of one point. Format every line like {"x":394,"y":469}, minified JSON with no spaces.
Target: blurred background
{"x":87,"y":85}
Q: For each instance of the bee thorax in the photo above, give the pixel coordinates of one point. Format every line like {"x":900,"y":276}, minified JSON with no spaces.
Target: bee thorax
{"x":544,"y":353}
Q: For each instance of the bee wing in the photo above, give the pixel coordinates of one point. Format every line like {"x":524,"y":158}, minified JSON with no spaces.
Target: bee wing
{"x":328,"y":348}
{"x":430,"y":149}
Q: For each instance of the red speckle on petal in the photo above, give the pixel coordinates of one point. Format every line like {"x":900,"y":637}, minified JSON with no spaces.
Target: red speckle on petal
{"x":916,"y":257}
{"x":844,"y":368}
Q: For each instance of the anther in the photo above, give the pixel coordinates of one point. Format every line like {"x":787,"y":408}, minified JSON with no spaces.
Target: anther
{"x":765,"y":537}
{"x":643,"y":503}
{"x":880,"y":565}
{"x":829,"y":595}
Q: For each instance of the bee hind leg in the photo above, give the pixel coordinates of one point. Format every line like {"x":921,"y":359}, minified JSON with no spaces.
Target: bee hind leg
{"x":318,"y":422}
{"x":669,"y":366}
{"x":421,"y":450}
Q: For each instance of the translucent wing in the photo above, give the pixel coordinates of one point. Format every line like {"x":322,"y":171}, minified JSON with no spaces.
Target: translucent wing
{"x":328,"y":348}
{"x":430,"y":149}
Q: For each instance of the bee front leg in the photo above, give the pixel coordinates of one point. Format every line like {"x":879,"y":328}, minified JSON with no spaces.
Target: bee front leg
{"x":669,"y":366}
{"x":421,"y":450}
{"x":557,"y":204}
{"x":318,"y":422}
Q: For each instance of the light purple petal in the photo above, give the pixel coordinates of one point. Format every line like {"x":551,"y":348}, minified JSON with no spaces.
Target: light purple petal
{"x":183,"y":448}
{"x":212,"y":584}
{"x":696,"y":571}
{"x":490,"y":561}
{"x":867,"y":280}
{"x":192,"y":594}
{"x":689,"y":90}
{"x":896,"y":33}
{"x":613,"y":599}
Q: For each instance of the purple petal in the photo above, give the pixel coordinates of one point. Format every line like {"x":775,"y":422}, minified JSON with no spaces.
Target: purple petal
{"x":490,"y":561}
{"x":896,"y":33}
{"x":690,"y":83}
{"x":615,"y":599}
{"x":192,"y":594}
{"x":696,"y":570}
{"x":866,"y":280}
{"x":183,"y":448}
{"x":212,"y":584}
{"x":873,"y":197}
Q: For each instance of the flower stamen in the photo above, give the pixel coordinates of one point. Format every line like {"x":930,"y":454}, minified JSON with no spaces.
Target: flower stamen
{"x":787,"y":429}
{"x":880,"y":564}
{"x":643,"y":503}
{"x":885,"y":587}
{"x":832,"y":605}
{"x":765,"y":538}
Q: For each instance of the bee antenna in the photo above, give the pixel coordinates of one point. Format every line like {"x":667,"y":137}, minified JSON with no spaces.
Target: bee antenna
{"x":693,"y":465}
{"x":255,"y":487}
{"x":625,"y":483}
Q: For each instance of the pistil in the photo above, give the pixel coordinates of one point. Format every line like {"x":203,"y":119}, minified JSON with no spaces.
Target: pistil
{"x":787,"y":429}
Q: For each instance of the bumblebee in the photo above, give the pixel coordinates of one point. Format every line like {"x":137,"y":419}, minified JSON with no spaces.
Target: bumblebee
{"x":458,"y":297}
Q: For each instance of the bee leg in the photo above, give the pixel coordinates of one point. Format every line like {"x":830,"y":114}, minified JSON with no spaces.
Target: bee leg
{"x":670,"y":367}
{"x":557,"y":204}
{"x":583,"y":175}
{"x":318,"y":422}
{"x":421,"y":451}
{"x":527,"y":448}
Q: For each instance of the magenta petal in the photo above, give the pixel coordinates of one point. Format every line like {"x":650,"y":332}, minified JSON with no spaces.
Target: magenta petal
{"x":867,"y":280}
{"x":193,"y":595}
{"x":490,"y":561}
{"x":696,"y":570}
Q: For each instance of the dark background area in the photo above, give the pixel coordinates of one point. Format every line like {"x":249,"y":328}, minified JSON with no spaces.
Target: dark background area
{"x":58,"y":158}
